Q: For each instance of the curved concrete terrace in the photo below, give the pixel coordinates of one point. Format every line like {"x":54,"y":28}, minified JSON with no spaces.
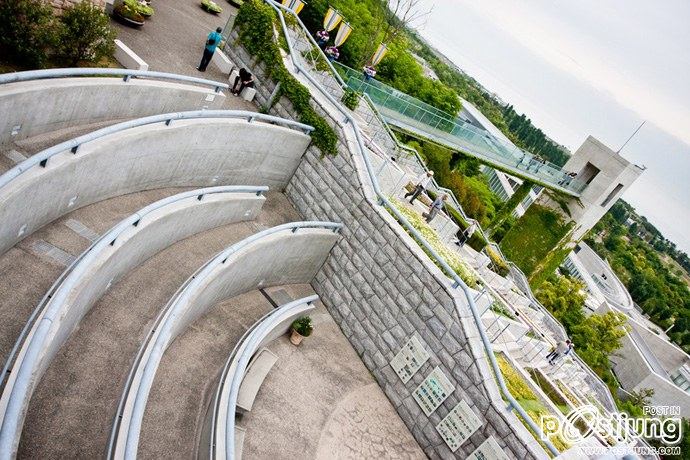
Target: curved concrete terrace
{"x":600,"y":277}
{"x":37,"y":102}
{"x":157,"y":155}
{"x":286,"y":254}
{"x":222,"y":443}
{"x":73,"y":404}
{"x":127,"y":245}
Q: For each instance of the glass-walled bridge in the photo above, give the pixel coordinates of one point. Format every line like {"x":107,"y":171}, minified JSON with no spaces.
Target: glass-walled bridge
{"x":423,"y":121}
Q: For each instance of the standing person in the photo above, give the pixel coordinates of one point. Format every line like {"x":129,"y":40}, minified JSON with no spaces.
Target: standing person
{"x":245,"y":80}
{"x":467,"y":234}
{"x":369,"y":72}
{"x":561,"y":347}
{"x":332,"y":53}
{"x":435,"y":207}
{"x":420,"y":186}
{"x":322,"y":38}
{"x":212,"y":42}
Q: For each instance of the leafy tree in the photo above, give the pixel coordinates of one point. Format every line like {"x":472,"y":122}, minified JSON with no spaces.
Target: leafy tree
{"x":85,"y":34}
{"x":27,"y":32}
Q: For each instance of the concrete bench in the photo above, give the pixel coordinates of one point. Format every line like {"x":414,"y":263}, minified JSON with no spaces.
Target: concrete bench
{"x":248,"y":94}
{"x":128,"y":58}
{"x":223,"y":62}
{"x":258,"y":369}
{"x":239,"y":441}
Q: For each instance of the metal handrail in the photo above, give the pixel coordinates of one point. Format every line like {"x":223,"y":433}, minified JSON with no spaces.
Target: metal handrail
{"x":132,"y":436}
{"x":42,"y":157}
{"x":383,"y":200}
{"x":247,"y":345}
{"x":60,"y":289}
{"x":15,"y":77}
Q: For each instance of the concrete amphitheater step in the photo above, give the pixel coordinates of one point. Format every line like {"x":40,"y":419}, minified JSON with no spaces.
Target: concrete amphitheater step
{"x":72,"y":409}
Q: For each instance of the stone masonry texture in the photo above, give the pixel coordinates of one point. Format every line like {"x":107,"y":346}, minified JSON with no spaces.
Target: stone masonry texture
{"x":381,"y":289}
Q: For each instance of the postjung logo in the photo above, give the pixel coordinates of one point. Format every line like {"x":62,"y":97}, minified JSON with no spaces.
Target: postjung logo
{"x":659,"y":423}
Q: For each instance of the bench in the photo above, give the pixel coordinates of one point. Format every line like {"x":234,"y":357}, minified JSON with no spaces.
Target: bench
{"x":128,"y":58}
{"x":239,"y":441}
{"x":257,"y":370}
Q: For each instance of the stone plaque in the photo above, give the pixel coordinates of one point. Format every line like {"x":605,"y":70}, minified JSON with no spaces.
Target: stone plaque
{"x":458,"y":425}
{"x":489,"y":450}
{"x":409,"y":359}
{"x":433,"y":391}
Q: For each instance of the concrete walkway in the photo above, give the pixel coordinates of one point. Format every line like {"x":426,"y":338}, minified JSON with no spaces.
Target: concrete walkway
{"x":173,"y":39}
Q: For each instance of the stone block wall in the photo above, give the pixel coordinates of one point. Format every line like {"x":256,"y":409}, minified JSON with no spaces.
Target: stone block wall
{"x":381,"y":289}
{"x":60,"y":5}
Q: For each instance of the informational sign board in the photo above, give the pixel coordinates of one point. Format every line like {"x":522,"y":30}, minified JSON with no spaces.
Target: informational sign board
{"x":433,"y":391}
{"x":409,"y":359}
{"x":488,"y":450}
{"x":458,"y":425}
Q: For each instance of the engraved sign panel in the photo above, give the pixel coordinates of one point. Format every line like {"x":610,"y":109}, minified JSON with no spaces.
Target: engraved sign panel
{"x":458,"y":425}
{"x":489,"y":450}
{"x":433,"y":391}
{"x":409,"y":359}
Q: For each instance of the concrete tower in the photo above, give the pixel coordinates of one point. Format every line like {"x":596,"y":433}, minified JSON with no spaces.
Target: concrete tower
{"x":607,"y":175}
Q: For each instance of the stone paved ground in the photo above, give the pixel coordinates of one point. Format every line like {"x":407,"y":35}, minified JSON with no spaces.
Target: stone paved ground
{"x":320,"y":401}
{"x":172,"y":40}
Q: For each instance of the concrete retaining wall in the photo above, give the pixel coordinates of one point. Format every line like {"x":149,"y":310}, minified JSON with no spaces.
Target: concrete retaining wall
{"x":275,"y":259}
{"x":104,"y":265}
{"x":381,"y":289}
{"x":200,"y":152}
{"x":39,"y":106}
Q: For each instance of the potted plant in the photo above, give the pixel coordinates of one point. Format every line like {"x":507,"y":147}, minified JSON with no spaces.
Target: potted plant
{"x":301,"y":328}
{"x":236,"y":3}
{"x":142,"y":7}
{"x":211,"y":6}
{"x":128,"y":14}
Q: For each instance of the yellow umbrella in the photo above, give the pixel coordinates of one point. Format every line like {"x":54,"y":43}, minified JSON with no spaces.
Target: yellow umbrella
{"x":379,"y":54}
{"x":294,"y":5}
{"x":331,"y":20}
{"x":344,"y":31}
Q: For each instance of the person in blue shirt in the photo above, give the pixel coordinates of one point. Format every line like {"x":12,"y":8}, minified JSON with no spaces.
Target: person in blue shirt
{"x":212,"y":42}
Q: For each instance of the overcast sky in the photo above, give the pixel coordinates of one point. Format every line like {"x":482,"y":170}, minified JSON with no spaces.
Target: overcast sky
{"x":584,"y":67}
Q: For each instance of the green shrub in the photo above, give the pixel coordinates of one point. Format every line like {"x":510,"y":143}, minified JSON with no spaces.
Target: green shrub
{"x":141,"y":8}
{"x":28,"y":32}
{"x":303,"y":326}
{"x":499,"y":266}
{"x":85,"y":34}
{"x":254,"y":23}
{"x":129,"y":12}
{"x":351,"y":98}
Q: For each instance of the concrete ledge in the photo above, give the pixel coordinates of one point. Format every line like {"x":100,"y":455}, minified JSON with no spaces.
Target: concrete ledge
{"x":35,"y":107}
{"x":128,"y":58}
{"x":287,"y":254}
{"x":148,"y":157}
{"x":127,"y":245}
{"x":223,"y":62}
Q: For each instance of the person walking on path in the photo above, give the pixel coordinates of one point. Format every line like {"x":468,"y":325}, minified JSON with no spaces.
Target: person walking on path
{"x":435,"y":207}
{"x":212,"y":42}
{"x":467,"y":234}
{"x":561,"y":348}
{"x":420,"y":186}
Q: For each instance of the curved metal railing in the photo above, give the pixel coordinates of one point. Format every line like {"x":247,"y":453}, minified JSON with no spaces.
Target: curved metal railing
{"x":383,"y":200}
{"x":11,"y":415}
{"x":229,"y":385}
{"x":42,"y":157}
{"x":127,"y":74}
{"x":139,"y":392}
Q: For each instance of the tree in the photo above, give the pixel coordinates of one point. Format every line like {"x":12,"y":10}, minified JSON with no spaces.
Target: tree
{"x":27,"y":32}
{"x":642,"y":397}
{"x":85,"y":34}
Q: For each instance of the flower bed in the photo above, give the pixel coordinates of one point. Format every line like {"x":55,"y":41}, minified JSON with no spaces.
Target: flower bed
{"x":449,"y":256}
